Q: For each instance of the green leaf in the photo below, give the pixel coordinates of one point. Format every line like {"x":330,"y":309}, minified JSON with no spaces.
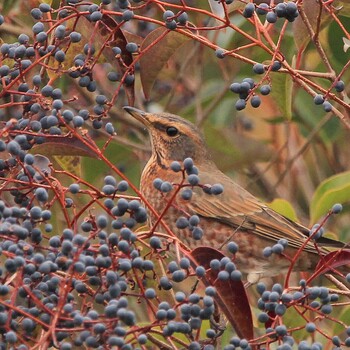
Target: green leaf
{"x":335,"y":189}
{"x":160,"y":45}
{"x":336,"y":41}
{"x":284,"y":208}
{"x":282,"y":93}
{"x":301,"y":34}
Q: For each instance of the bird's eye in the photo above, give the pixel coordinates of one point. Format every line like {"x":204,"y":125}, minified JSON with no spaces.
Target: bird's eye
{"x":172,"y":131}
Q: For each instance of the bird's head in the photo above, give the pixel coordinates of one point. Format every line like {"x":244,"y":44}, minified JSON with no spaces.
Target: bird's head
{"x":172,"y":137}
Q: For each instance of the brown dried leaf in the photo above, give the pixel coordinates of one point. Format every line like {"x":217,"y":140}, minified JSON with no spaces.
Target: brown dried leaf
{"x":156,"y":55}
{"x":109,"y":34}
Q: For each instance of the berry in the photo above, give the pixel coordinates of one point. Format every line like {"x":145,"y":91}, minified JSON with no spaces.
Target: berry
{"x":197,"y":233}
{"x":249,"y":10}
{"x":95,"y":16}
{"x":175,"y":166}
{"x":60,"y":31}
{"x":44,"y":8}
{"x":75,"y":37}
{"x":216,"y":189}
{"x":41,"y":37}
{"x":36,"y":13}
{"x":259,"y":68}
{"x":186,"y":194}
{"x":263,"y":317}
{"x":41,"y":194}
{"x":240,"y":104}
{"x":127,"y":15}
{"x":184,"y":263}
{"x":183,"y":18}
{"x":271,"y":17}
{"x":310,"y":327}
{"x":262,"y":9}
{"x":255,"y":101}
{"x":318,"y":99}
{"x":339,"y":86}
{"x":220,"y":53}
{"x":337,"y":208}
{"x":150,"y":293}
{"x":276,"y":65}
{"x":167,"y":15}
{"x":280,"y":9}
{"x":131,"y":47}
{"x":267,"y":251}
{"x":327,"y":106}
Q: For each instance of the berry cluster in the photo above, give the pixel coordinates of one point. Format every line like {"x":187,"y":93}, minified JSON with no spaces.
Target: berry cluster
{"x":191,"y":180}
{"x":287,"y":10}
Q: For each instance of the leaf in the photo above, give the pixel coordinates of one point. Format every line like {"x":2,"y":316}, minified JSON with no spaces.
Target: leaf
{"x":335,"y":189}
{"x":231,"y":295}
{"x":72,"y":164}
{"x":331,"y":261}
{"x":217,"y":8}
{"x":63,"y":146}
{"x":300,"y":32}
{"x":282,"y":93}
{"x":156,"y":54}
{"x":284,"y":208}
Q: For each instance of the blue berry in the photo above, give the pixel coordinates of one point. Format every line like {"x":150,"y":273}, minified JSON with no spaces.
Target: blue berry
{"x":220,"y":53}
{"x":36,"y":13}
{"x":166,"y":187}
{"x":168,"y":14}
{"x":178,"y":276}
{"x":41,"y":194}
{"x":263,"y":317}
{"x":327,"y":107}
{"x":271,"y":17}
{"x":337,"y":208}
{"x":280,"y":9}
{"x":318,"y":99}
{"x":259,"y":68}
{"x":95,"y":16}
{"x":249,"y":10}
{"x":240,"y":104}
{"x":200,"y":271}
{"x":75,"y":37}
{"x":183,"y":18}
{"x":310,"y":327}
{"x":267,"y":251}
{"x":131,"y":47}
{"x":277,"y":248}
{"x":276,"y":65}
{"x":255,"y":101}
{"x":186,"y":194}
{"x":150,"y":293}
{"x":127,"y":15}
{"x":339,"y":86}
{"x":262,"y":9}
{"x":175,"y":166}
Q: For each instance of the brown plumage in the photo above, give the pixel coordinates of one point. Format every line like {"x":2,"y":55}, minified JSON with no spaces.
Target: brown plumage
{"x":235,"y":215}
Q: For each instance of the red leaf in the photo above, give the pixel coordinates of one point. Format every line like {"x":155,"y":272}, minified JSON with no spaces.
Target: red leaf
{"x":231,"y":295}
{"x":331,"y":261}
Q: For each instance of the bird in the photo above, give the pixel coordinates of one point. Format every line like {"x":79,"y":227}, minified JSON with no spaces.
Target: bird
{"x":233,"y":215}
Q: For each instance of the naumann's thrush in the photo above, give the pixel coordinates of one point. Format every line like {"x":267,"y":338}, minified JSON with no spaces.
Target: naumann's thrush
{"x":234,"y":215}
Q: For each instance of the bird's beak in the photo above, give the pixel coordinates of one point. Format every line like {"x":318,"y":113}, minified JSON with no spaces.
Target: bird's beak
{"x":141,"y":116}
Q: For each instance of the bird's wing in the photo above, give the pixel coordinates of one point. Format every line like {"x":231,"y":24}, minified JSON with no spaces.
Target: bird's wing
{"x":241,"y":210}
